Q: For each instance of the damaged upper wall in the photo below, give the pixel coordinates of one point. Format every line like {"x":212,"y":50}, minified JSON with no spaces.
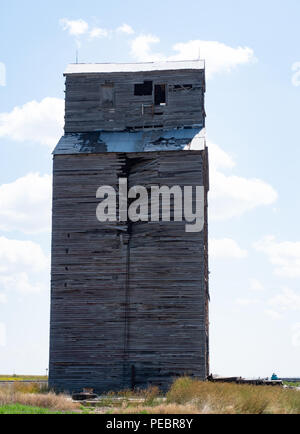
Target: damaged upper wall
{"x":179,"y":139}
{"x":119,"y":97}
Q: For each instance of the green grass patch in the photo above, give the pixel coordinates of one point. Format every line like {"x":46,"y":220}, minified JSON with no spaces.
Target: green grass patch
{"x":26,"y":409}
{"x":287,"y":383}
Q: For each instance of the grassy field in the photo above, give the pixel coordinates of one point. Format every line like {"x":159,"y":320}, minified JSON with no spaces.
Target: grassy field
{"x":23,"y":378}
{"x":186,"y":396}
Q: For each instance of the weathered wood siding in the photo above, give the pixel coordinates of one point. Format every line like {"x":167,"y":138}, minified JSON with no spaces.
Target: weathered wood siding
{"x":85,"y":111}
{"x":129,"y":302}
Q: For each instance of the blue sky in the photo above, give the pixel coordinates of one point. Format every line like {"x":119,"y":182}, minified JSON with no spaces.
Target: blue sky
{"x":252,"y":52}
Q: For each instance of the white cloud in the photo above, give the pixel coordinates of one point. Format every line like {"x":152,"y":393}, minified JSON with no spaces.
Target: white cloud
{"x":219,"y":57}
{"x":79,"y":28}
{"x":98,"y":32}
{"x":21,"y":283}
{"x":231,"y":195}
{"x":125,"y":28}
{"x":74,"y":27}
{"x":226,"y":249}
{"x":37,"y":122}
{"x":141,"y":49}
{"x":218,"y":158}
{"x":296,"y":75}
{"x":285,"y":256}
{"x":256,"y":286}
{"x":2,"y":334}
{"x":287,"y":300}
{"x":15,"y":253}
{"x":26,"y":204}
{"x":24,"y":266}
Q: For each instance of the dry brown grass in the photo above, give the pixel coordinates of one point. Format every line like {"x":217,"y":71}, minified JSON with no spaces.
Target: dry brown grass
{"x":234,"y":398}
{"x":191,"y":396}
{"x":148,"y":394}
{"x":33,"y":387}
{"x":45,"y":400}
{"x":157,"y":409}
{"x":186,"y":396}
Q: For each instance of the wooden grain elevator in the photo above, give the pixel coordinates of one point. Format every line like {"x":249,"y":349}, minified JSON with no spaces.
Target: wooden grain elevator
{"x":129,"y":300}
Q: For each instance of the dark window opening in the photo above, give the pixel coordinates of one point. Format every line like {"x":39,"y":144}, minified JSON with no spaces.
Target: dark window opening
{"x":143,"y":89}
{"x":108,"y":95}
{"x":160,"y":94}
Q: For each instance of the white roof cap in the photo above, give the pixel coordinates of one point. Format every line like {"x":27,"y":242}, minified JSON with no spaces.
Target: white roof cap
{"x":94,"y":68}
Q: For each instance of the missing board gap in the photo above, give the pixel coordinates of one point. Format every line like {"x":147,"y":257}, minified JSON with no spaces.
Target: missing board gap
{"x":181,"y":87}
